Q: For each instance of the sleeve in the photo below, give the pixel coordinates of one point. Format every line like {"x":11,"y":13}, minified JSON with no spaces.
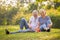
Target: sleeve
{"x":38,"y":19}
{"x":49,"y":20}
{"x":30,"y":19}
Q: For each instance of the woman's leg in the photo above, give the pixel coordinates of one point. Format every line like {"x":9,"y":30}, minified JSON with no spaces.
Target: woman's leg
{"x":43,"y":27}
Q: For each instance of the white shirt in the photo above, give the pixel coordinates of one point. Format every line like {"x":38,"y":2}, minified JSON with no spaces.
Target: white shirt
{"x":34,"y":22}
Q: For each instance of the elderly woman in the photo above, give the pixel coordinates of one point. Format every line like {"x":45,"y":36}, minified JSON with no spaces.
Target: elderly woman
{"x":44,"y":21}
{"x":29,"y":27}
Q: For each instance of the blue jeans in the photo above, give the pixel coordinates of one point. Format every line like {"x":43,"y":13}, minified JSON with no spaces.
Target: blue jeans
{"x":44,"y":26}
{"x":23,"y":23}
{"x":22,"y":31}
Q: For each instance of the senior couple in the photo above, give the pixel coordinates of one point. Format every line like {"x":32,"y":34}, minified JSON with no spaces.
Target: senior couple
{"x":36,"y":24}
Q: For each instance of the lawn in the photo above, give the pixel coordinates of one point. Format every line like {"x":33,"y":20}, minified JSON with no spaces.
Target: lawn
{"x":53,"y":35}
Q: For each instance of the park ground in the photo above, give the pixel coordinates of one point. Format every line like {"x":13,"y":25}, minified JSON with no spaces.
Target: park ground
{"x":53,"y":35}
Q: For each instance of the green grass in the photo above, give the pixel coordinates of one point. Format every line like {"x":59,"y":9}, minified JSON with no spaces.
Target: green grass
{"x":53,"y":35}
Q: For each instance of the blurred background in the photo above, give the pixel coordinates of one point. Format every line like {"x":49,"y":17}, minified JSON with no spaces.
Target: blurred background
{"x":11,"y":11}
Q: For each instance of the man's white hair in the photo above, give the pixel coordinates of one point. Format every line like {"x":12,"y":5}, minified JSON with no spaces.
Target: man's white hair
{"x":42,"y":10}
{"x":35,"y":12}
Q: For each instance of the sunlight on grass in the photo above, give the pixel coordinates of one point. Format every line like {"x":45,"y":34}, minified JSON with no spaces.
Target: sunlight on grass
{"x":53,"y":35}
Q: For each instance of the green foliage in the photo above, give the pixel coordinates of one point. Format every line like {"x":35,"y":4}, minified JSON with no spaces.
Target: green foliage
{"x":33,"y":6}
{"x":4,"y":21}
{"x":6,"y":15}
{"x":12,"y":15}
{"x":55,"y":20}
{"x":48,"y":7}
{"x":58,"y":8}
{"x":57,"y":5}
{"x":40,"y":0}
{"x":56,"y":1}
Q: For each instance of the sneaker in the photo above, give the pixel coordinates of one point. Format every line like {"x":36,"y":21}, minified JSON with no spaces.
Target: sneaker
{"x":48,"y":30}
{"x":7,"y":32}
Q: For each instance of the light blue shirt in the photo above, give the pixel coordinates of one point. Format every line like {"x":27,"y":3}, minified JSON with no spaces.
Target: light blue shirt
{"x":45,"y":21}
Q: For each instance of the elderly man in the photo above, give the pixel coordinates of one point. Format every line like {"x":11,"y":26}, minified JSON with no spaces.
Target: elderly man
{"x":29,"y":27}
{"x":44,"y":21}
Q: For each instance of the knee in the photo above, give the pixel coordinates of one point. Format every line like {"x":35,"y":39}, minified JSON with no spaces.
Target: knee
{"x":23,"y":19}
{"x":44,"y":25}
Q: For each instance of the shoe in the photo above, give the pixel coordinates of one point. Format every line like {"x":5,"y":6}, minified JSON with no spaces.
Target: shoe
{"x":48,"y":30}
{"x":7,"y":32}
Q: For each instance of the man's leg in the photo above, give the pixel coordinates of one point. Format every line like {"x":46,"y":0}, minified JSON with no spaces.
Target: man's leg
{"x":23,"y":23}
{"x":26,"y":25}
{"x":19,"y":31}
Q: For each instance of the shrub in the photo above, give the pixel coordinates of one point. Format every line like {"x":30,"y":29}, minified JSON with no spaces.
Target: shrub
{"x":56,"y":21}
{"x":58,"y":8}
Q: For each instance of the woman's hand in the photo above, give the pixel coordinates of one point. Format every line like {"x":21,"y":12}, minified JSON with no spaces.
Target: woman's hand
{"x":29,"y":26}
{"x":37,"y":29}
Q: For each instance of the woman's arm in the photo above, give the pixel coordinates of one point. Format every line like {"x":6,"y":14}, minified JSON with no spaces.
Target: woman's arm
{"x":49,"y":22}
{"x":37,"y":29}
{"x":50,"y":25}
{"x":29,"y":24}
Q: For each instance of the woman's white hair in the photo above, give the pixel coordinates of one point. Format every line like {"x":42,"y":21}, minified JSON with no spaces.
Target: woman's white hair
{"x":35,"y":12}
{"x":42,"y":10}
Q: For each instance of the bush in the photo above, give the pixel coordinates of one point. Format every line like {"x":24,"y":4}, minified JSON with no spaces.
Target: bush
{"x":56,"y":21}
{"x":58,"y":8}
